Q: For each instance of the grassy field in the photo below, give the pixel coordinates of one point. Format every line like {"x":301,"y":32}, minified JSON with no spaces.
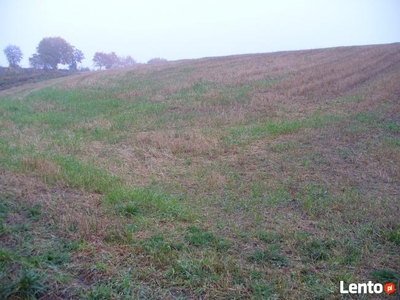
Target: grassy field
{"x":267,"y":176}
{"x":10,"y":77}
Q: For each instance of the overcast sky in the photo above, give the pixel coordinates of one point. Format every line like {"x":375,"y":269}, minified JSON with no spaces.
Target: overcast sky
{"x":181,"y":29}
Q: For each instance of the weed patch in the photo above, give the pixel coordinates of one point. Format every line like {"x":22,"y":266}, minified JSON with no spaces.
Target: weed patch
{"x":143,"y":201}
{"x":393,"y":235}
{"x":198,"y":237}
{"x":318,"y":249}
{"x":268,"y":256}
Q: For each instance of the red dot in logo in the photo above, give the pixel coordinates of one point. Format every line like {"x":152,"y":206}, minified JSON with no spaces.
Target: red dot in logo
{"x":389,"y":288}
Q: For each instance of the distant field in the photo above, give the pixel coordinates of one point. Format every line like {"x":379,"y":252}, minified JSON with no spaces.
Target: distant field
{"x":266,"y":176}
{"x":10,"y":77}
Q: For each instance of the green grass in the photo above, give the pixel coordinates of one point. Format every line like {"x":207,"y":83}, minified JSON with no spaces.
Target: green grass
{"x":268,"y":256}
{"x":198,"y":237}
{"x":28,"y":266}
{"x":151,"y":200}
{"x":245,"y":134}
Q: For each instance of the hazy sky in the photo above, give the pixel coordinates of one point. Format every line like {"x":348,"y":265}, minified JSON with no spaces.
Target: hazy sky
{"x":180,"y":29}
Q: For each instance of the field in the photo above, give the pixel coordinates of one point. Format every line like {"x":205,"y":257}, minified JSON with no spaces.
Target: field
{"x":265,"y":176}
{"x":16,"y":77}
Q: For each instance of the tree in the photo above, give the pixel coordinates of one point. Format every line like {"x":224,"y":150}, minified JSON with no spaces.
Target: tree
{"x":126,"y":61}
{"x":13,"y":54}
{"x":157,"y":60}
{"x":112,"y":60}
{"x":129,"y":61}
{"x":54,"y":51}
{"x":77,"y":57}
{"x":36,"y":62}
{"x":107,"y":60}
{"x":99,"y":59}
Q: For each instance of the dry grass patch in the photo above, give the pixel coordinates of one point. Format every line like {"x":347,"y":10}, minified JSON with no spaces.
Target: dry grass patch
{"x":191,"y":143}
{"x":40,"y":166}
{"x":76,"y":214}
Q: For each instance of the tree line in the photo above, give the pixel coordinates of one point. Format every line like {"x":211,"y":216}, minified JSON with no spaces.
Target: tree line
{"x":53,"y":51}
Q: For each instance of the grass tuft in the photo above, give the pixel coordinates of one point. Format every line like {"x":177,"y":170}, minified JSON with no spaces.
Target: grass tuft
{"x":268,"y":256}
{"x":30,"y":284}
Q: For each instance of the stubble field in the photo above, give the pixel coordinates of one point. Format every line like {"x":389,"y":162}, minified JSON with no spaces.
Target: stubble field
{"x":266,"y":176}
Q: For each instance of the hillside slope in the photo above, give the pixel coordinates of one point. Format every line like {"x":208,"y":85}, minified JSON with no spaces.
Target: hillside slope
{"x":253,"y":176}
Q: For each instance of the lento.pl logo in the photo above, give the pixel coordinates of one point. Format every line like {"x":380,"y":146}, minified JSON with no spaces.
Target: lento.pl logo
{"x":367,"y":288}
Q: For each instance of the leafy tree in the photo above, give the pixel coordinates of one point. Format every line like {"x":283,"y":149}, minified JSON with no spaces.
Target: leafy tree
{"x":126,"y":61}
{"x":107,"y":60}
{"x":13,"y":54}
{"x":54,"y":51}
{"x":77,"y":57}
{"x":112,"y":60}
{"x":129,"y":61}
{"x":36,"y":62}
{"x":99,"y":59}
